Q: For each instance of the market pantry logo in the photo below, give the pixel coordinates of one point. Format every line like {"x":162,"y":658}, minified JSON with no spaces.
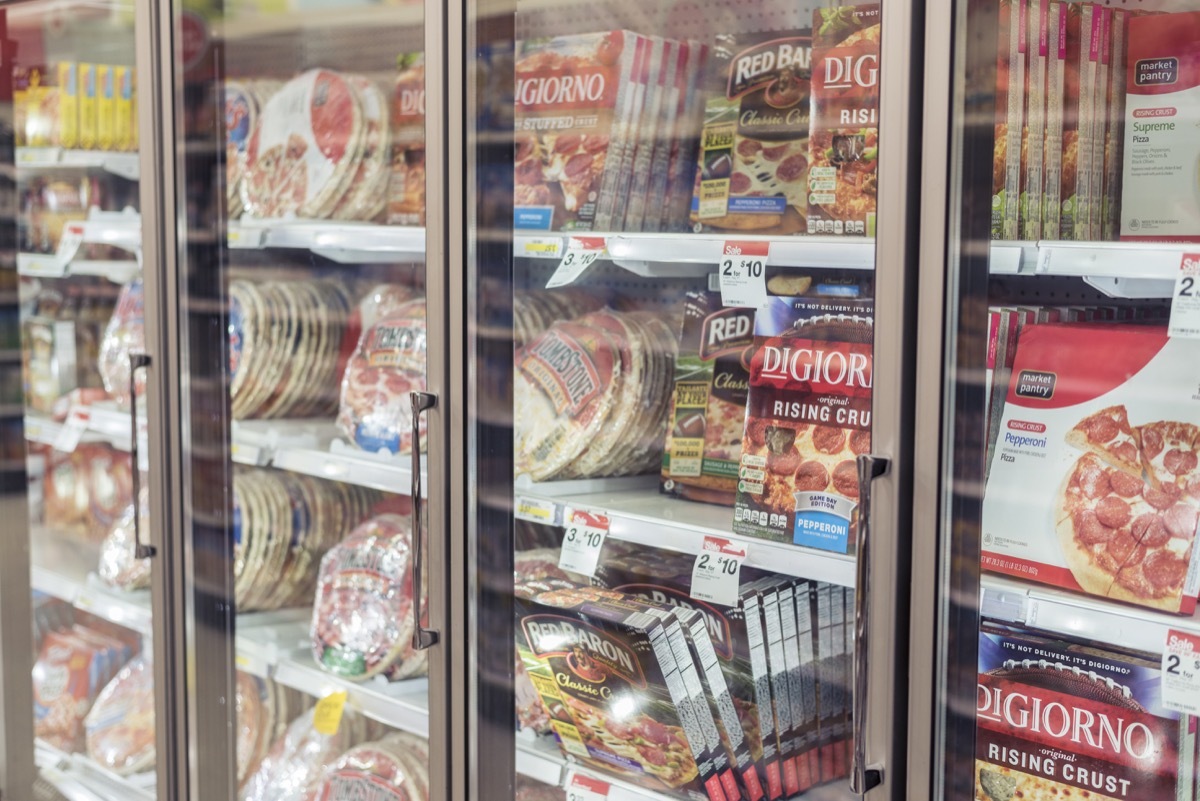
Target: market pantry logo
{"x":1156,"y":72}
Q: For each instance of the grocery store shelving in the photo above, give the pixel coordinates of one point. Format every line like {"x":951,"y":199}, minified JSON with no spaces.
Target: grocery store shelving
{"x":80,"y":779}
{"x":1118,"y":269}
{"x":43,"y":158}
{"x":1077,"y":615}
{"x":401,"y":705}
{"x":643,"y":515}
{"x":343,"y":242}
{"x":678,"y":255}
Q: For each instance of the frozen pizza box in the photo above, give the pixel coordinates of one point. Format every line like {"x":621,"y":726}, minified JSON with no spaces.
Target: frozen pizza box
{"x":608,"y":665}
{"x":406,"y":179}
{"x":1059,"y":720}
{"x":1010,"y":87}
{"x":704,"y":441}
{"x":1159,"y":195}
{"x":754,"y":146}
{"x":808,"y":418}
{"x":1037,"y":54}
{"x":1056,"y":74}
{"x":664,"y":577}
{"x":577,"y":110}
{"x":1110,"y":214}
{"x":685,"y":143}
{"x":843,"y":146}
{"x":1094,"y":485}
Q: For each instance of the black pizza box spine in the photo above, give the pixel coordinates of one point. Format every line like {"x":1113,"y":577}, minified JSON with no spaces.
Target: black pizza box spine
{"x":806,"y":632}
{"x":681,"y":170}
{"x":780,"y":691}
{"x":627,"y":117}
{"x":1075,"y":715}
{"x":709,"y":372}
{"x":751,"y":603}
{"x":801,"y":715}
{"x":711,"y":758}
{"x":741,"y":120}
{"x":721,"y":703}
{"x":827,"y":678}
{"x":654,"y":121}
{"x":810,"y":374}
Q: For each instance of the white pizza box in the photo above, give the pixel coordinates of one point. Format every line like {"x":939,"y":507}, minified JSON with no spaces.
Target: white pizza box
{"x":1063,"y":375}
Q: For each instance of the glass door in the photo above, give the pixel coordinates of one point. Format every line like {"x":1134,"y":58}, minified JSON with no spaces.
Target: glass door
{"x":78,"y":647}
{"x":688,"y":266}
{"x":295,"y":234}
{"x":1069,"y":578}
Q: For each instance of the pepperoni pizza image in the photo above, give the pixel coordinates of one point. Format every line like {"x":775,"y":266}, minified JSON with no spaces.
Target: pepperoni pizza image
{"x":1127,"y":512}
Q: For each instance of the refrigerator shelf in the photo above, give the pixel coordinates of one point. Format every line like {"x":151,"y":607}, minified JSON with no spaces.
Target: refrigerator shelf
{"x":1118,"y":269}
{"x":343,"y":242}
{"x":80,"y":779}
{"x":647,"y":517}
{"x":36,"y":265}
{"x":1080,"y":616}
{"x":684,"y":255}
{"x":402,"y":705}
{"x":121,"y":164}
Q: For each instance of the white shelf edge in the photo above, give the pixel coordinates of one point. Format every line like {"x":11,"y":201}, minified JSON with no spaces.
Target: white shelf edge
{"x":1078,"y":615}
{"x":345,"y":242}
{"x":120,"y":163}
{"x":644,"y":517}
{"x":1117,"y":269}
{"x":402,"y":705}
{"x":543,"y":761}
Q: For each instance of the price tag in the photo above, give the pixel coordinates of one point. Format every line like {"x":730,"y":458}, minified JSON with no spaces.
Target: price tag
{"x":1185,"y":300}
{"x":1181,"y":672}
{"x":72,"y":431}
{"x":581,"y":252}
{"x":245,"y":238}
{"x":743,"y":274}
{"x":541,"y":248}
{"x":327,"y":716}
{"x":68,"y":245}
{"x":585,"y":788}
{"x":716,"y":575}
{"x":536,"y":511}
{"x":582,"y":541}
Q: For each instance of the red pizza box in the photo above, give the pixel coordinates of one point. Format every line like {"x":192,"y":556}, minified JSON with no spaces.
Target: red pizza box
{"x":708,"y":411}
{"x":1060,"y":719}
{"x":605,"y":669}
{"x":754,"y":148}
{"x":577,"y":107}
{"x":1100,"y":114}
{"x":644,"y":153}
{"x":639,"y":127}
{"x":808,"y":417}
{"x":681,"y":170}
{"x":1090,"y":69}
{"x":1010,"y":78}
{"x":667,"y":142}
{"x":1094,"y":485}
{"x":781,"y":691}
{"x":1158,"y":195}
{"x":843,"y":145}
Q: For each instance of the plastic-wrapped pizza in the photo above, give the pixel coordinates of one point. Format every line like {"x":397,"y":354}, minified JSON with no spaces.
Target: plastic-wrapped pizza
{"x":125,"y":334}
{"x":389,"y":363}
{"x":392,"y":769}
{"x":304,"y":151}
{"x":362,"y":622}
{"x":118,"y":566}
{"x":298,"y":760}
{"x":120,"y":727}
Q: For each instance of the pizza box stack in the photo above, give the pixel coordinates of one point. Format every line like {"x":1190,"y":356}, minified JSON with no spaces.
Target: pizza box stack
{"x":808,"y":418}
{"x":589,"y":646}
{"x":781,"y":655}
{"x":1056,"y":719}
{"x":843,"y":146}
{"x":1061,"y":74}
{"x":708,"y":411}
{"x":753,"y":160}
{"x":1094,"y":485}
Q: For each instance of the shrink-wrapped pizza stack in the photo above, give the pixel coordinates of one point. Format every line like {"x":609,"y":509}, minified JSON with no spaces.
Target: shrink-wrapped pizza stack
{"x":298,"y":759}
{"x":124,"y":336}
{"x":85,"y":491}
{"x":592,"y":396}
{"x":364,"y":614}
{"x":394,"y":768}
{"x":119,"y":566}
{"x":285,"y":345}
{"x":282,"y":526}
{"x":120,"y":725}
{"x":263,"y":711}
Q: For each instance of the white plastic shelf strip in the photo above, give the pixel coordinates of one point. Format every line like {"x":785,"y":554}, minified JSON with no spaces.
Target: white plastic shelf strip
{"x":644,"y":515}
{"x":45,"y":158}
{"x":1116,"y":269}
{"x":1078,"y":615}
{"x":343,"y":242}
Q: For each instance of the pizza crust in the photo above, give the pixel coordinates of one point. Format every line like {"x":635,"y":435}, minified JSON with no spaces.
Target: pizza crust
{"x":1025,"y":787}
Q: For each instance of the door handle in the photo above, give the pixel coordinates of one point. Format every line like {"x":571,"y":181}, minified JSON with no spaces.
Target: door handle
{"x":422,"y":637}
{"x":137,"y":361}
{"x":863,"y":777}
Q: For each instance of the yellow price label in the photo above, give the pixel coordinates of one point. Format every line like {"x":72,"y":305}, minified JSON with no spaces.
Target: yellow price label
{"x":542,"y":247}
{"x":536,"y":511}
{"x":327,"y":715}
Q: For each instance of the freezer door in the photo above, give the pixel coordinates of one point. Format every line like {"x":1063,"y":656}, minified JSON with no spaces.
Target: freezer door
{"x":1063,"y":572}
{"x":688,"y":381}
{"x":82,"y":589}
{"x":309,"y":386}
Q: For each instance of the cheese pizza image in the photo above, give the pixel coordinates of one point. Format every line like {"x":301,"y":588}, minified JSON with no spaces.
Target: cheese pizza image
{"x":1095,"y":483}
